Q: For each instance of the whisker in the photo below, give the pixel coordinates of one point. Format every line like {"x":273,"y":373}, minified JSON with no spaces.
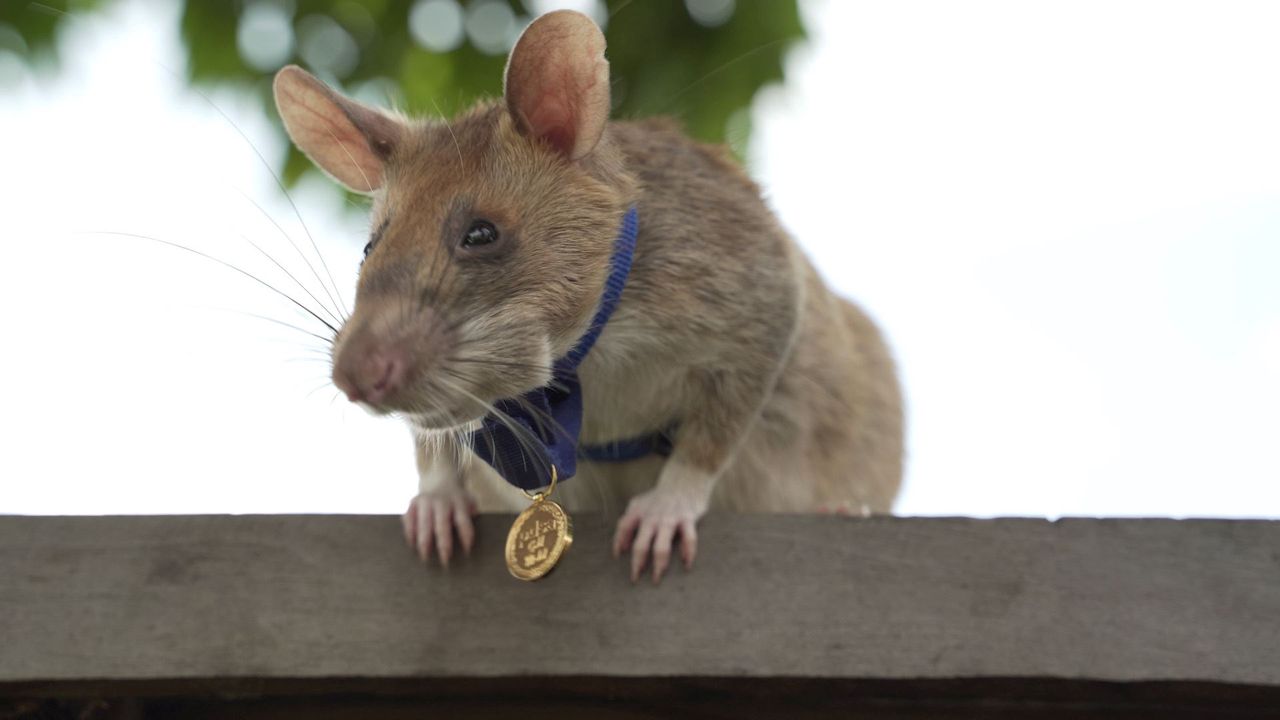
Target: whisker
{"x":543,"y":419}
{"x":716,"y":71}
{"x":363,"y":206}
{"x":614,"y":13}
{"x":291,"y":326}
{"x":524,"y":436}
{"x":499,"y":363}
{"x":449,"y":126}
{"x":291,"y":277}
{"x":274,"y":176}
{"x":317,"y":389}
{"x":47,"y":9}
{"x":451,"y":439}
{"x":301,"y":254}
{"x":538,"y":416}
{"x":347,"y":152}
{"x":223,"y":263}
{"x":277,"y":321}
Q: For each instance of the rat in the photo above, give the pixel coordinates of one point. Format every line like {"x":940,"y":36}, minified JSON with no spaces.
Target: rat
{"x":493,"y":237}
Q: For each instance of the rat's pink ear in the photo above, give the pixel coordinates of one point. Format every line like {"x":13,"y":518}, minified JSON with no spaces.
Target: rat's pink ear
{"x":349,"y":141}
{"x":557,"y":82}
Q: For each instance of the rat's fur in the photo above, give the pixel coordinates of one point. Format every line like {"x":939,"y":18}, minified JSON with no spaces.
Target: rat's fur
{"x":784,"y":394}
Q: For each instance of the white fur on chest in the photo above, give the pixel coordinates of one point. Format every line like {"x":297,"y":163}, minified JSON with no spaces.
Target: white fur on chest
{"x":628,"y":389}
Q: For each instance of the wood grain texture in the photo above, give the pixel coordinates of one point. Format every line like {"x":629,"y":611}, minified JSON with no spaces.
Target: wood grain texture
{"x":315,"y":597}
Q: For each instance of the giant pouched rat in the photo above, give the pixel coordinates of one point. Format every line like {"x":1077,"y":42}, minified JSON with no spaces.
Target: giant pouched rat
{"x":493,"y":235}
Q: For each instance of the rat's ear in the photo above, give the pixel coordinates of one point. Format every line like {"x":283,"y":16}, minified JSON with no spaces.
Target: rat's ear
{"x":557,"y":82}
{"x":349,"y":141}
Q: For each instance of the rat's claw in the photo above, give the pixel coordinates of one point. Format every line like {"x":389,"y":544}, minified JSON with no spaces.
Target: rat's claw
{"x":432,"y":518}
{"x":662,"y":549}
{"x":425,"y":532}
{"x":652,"y":523}
{"x":409,"y":522}
{"x":444,"y":532}
{"x":640,"y":550}
{"x":466,"y":530}
{"x":626,"y":530}
{"x":688,"y":542}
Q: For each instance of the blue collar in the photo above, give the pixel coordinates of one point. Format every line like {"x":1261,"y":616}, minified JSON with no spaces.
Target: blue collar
{"x":550,"y":418}
{"x":624,"y":251}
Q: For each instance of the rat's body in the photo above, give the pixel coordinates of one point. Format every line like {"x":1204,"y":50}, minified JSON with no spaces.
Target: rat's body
{"x":493,"y":237}
{"x":714,"y":281}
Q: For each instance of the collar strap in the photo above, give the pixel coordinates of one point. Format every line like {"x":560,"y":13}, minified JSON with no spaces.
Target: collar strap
{"x":624,"y":251}
{"x":658,"y":443}
{"x":548,"y":420}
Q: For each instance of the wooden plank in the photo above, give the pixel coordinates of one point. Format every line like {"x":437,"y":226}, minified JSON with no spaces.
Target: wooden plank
{"x":659,"y":698}
{"x":225,"y":599}
{"x":738,"y":699}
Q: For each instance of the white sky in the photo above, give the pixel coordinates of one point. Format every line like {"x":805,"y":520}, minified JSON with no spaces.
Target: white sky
{"x":1066,"y":216}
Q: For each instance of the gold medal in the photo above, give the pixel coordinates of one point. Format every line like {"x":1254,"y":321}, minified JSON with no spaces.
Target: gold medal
{"x":539,"y":536}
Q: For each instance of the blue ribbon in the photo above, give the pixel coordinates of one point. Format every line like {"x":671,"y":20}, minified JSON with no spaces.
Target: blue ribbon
{"x":550,"y":418}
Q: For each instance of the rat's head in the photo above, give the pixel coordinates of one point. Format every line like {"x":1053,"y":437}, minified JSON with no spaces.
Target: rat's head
{"x":491,"y":234}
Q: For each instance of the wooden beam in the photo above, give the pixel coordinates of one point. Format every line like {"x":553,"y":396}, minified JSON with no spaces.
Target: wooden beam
{"x":299,"y":605}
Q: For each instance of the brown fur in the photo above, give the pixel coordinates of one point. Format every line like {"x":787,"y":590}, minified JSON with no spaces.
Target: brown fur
{"x":785,"y":395}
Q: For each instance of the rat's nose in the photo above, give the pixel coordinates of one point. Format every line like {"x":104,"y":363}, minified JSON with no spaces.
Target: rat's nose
{"x":370,"y":376}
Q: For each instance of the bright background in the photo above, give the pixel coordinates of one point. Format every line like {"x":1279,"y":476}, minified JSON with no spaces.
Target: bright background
{"x":1065,"y":215}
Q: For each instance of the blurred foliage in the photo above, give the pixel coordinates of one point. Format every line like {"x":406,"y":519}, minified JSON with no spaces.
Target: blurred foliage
{"x":28,"y":29}
{"x":662,"y":59}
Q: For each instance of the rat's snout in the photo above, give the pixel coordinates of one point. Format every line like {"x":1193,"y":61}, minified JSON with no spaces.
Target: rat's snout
{"x":370,"y":374}
{"x":380,"y":355}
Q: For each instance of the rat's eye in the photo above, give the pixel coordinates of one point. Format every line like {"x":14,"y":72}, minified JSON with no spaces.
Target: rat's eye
{"x":377,"y":235}
{"x":481,"y":232}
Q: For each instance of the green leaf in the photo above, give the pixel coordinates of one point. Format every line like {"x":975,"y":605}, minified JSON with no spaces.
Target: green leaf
{"x":662,"y":62}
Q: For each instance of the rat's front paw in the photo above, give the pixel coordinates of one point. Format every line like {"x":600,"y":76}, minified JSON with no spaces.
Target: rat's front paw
{"x":652,"y":522}
{"x":433,"y":516}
